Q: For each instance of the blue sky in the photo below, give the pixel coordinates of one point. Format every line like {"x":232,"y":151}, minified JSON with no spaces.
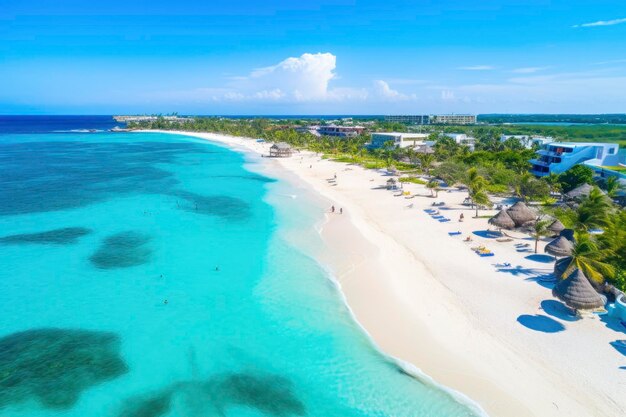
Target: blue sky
{"x":312,"y":57}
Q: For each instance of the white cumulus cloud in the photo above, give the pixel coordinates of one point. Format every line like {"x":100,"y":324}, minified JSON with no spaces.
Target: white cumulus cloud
{"x":303,"y":78}
{"x":382,"y":90}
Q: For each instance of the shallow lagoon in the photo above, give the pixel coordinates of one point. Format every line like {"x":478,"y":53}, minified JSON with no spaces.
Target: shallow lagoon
{"x":162,"y":256}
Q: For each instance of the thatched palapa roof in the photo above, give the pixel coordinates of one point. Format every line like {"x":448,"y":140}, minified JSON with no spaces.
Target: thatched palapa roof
{"x":579,"y":192}
{"x":560,"y":246}
{"x":560,"y":266}
{"x":502,"y":220}
{"x":521,"y":214}
{"x":556,"y":227}
{"x":576,"y":291}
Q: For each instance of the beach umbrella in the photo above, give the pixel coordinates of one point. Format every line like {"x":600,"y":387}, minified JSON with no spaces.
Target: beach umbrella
{"x":567,"y":234}
{"x":521,"y":214}
{"x":556,"y":227}
{"x":579,"y":192}
{"x":577,"y":292}
{"x":560,"y":266}
{"x":560,"y":246}
{"x":502,"y":220}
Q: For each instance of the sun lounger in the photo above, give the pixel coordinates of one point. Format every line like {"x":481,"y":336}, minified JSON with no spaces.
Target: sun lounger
{"x":504,"y":239}
{"x":438,"y":216}
{"x":485,"y":254}
{"x":454,"y":233}
{"x":444,"y":220}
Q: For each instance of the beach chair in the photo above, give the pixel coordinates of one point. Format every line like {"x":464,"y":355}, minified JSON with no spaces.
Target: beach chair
{"x":444,"y":220}
{"x":485,"y":254}
{"x":437,"y":216}
{"x":454,"y":233}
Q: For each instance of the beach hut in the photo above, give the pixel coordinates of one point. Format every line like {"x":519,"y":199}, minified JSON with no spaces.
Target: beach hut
{"x":579,"y":192}
{"x":560,"y":247}
{"x":502,"y":220}
{"x":560,"y":266}
{"x":392,"y":184}
{"x":281,"y":150}
{"x":577,"y":292}
{"x":521,"y":214}
{"x":556,"y":227}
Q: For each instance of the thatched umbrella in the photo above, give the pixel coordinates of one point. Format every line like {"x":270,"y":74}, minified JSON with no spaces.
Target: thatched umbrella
{"x":556,"y":227}
{"x":567,"y":234}
{"x":576,"y":291}
{"x":579,"y":192}
{"x":502,"y":220}
{"x":559,"y":247}
{"x":521,"y":214}
{"x":560,"y":266}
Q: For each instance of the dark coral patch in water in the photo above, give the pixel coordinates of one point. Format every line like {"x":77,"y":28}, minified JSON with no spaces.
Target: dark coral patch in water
{"x":48,"y":176}
{"x":269,"y":394}
{"x":64,"y":236}
{"x":122,"y":250}
{"x":53,"y":366}
{"x":226,"y":207}
{"x":154,"y":405}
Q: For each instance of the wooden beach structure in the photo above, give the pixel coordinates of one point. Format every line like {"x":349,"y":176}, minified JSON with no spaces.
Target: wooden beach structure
{"x":281,"y":150}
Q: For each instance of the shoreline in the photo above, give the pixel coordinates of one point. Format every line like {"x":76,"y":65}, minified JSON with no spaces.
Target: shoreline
{"x":411,"y":301}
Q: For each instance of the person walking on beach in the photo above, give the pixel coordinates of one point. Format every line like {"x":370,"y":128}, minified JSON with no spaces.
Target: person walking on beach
{"x":332,"y":209}
{"x":335,"y":176}
{"x":341,"y":210}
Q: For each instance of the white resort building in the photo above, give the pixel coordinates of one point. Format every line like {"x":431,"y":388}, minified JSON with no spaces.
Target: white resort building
{"x":443,"y":119}
{"x":399,"y":139}
{"x":340,"y":131}
{"x":558,"y":157}
{"x":462,"y":139}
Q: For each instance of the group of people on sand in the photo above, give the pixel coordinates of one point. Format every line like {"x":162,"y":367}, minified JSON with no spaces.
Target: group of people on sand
{"x":332,"y":209}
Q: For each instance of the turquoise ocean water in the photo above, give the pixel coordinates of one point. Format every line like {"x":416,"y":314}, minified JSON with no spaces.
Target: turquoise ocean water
{"x":149,"y":275}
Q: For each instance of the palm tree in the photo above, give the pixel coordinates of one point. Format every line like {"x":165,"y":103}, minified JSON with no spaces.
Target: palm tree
{"x":613,"y":186}
{"x":433,"y":185}
{"x":553,"y":182}
{"x":426,"y":161}
{"x":593,"y":212}
{"x":476,"y":185}
{"x":590,"y":259}
{"x":480,"y":198}
{"x":539,"y":230}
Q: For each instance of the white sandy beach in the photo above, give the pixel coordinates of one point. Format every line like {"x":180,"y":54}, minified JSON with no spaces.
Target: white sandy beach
{"x":493,"y":333}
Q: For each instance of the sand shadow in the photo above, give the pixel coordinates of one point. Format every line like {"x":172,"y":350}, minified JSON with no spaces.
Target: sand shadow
{"x":540,"y":323}
{"x":537,"y":257}
{"x":487,"y":234}
{"x":558,"y":309}
{"x":546,"y":280}
{"x":613,"y":323}
{"x":620,"y":346}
